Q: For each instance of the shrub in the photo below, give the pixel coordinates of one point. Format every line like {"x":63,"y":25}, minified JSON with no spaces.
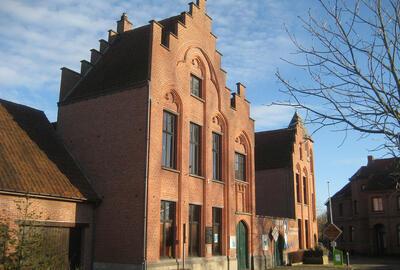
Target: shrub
{"x":296,"y":256}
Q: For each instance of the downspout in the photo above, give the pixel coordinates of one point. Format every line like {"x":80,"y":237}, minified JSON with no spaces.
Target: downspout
{"x":146,"y":177}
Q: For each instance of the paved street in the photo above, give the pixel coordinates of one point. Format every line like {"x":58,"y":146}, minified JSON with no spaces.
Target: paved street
{"x":357,"y":263}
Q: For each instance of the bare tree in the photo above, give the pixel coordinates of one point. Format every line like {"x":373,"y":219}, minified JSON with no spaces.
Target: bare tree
{"x":351,"y":62}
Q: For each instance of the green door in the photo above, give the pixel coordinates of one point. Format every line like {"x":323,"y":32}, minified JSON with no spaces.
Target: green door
{"x":242,"y":253}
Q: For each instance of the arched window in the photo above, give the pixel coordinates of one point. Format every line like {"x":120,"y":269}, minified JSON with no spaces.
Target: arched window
{"x":300,"y":152}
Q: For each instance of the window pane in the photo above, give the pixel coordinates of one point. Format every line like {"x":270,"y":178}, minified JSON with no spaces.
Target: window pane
{"x":217,"y":231}
{"x":195,"y":86}
{"x":240,"y":169}
{"x":216,"y":151}
{"x":167,"y":229}
{"x":377,"y":204}
{"x":194,"y":230}
{"x":300,"y":233}
{"x":306,"y":234}
{"x":169,"y":139}
{"x":305,"y":190}
{"x":298,"y":193}
{"x":194,"y":156}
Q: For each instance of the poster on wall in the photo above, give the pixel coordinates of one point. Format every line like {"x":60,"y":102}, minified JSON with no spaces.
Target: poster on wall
{"x":233,"y":241}
{"x":265,"y":242}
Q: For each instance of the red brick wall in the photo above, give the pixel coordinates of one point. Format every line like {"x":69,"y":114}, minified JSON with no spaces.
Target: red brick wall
{"x":271,"y":187}
{"x":63,"y":212}
{"x":193,"y":51}
{"x":107,"y":136}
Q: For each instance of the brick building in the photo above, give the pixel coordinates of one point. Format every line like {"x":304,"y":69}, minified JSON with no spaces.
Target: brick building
{"x":167,"y":146}
{"x":285,"y":184}
{"x":367,"y":209}
{"x":42,"y":188}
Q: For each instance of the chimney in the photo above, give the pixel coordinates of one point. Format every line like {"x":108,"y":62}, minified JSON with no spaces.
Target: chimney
{"x":124,"y":24}
{"x":370,"y":159}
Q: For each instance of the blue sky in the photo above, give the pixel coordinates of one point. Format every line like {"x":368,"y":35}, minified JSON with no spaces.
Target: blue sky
{"x":37,"y":38}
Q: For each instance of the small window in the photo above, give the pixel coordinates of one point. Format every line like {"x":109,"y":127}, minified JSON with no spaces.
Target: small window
{"x":194,"y":230}
{"x":167,"y":229}
{"x":195,"y":148}
{"x":195,"y":86}
{"x":217,"y":231}
{"x":305,"y":194}
{"x":216,"y":153}
{"x":240,"y":167}
{"x":377,"y":204}
{"x":352,"y":232}
{"x":169,"y":140}
{"x":301,"y":152}
{"x":298,"y":191}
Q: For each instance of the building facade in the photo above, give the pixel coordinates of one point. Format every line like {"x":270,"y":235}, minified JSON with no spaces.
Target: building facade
{"x":167,"y":146}
{"x":43,"y":193}
{"x":285,"y":182}
{"x":367,"y":209}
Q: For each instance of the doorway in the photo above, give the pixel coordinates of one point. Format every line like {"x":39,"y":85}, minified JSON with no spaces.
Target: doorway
{"x":242,"y":246}
{"x":380,"y":239}
{"x":278,"y":251}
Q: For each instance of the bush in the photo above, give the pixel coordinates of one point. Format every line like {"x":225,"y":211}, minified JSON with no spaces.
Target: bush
{"x":296,"y":256}
{"x":316,"y":252}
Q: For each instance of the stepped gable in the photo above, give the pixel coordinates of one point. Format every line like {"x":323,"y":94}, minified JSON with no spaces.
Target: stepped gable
{"x":274,"y":148}
{"x":124,"y":60}
{"x":32,"y":159}
{"x":170,"y":26}
{"x":125,"y":63}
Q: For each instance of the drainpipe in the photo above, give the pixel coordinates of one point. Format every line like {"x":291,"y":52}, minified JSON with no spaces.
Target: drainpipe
{"x":146,"y":177}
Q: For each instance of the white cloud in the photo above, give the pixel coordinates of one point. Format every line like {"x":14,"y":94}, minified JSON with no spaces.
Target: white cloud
{"x":39,"y":37}
{"x":271,"y":116}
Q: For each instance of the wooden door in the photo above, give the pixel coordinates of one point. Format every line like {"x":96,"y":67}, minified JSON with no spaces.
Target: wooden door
{"x":242,"y":250}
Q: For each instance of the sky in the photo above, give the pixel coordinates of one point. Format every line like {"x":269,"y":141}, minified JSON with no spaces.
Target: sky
{"x":38,"y":37}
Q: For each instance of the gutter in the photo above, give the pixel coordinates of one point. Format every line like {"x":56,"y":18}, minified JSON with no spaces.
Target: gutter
{"x":146,"y":178}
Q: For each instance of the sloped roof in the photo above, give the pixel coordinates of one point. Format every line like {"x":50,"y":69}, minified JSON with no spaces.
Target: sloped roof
{"x":125,"y":63}
{"x":379,"y":173}
{"x":345,"y":192}
{"x":33,"y":160}
{"x":273,"y":149}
